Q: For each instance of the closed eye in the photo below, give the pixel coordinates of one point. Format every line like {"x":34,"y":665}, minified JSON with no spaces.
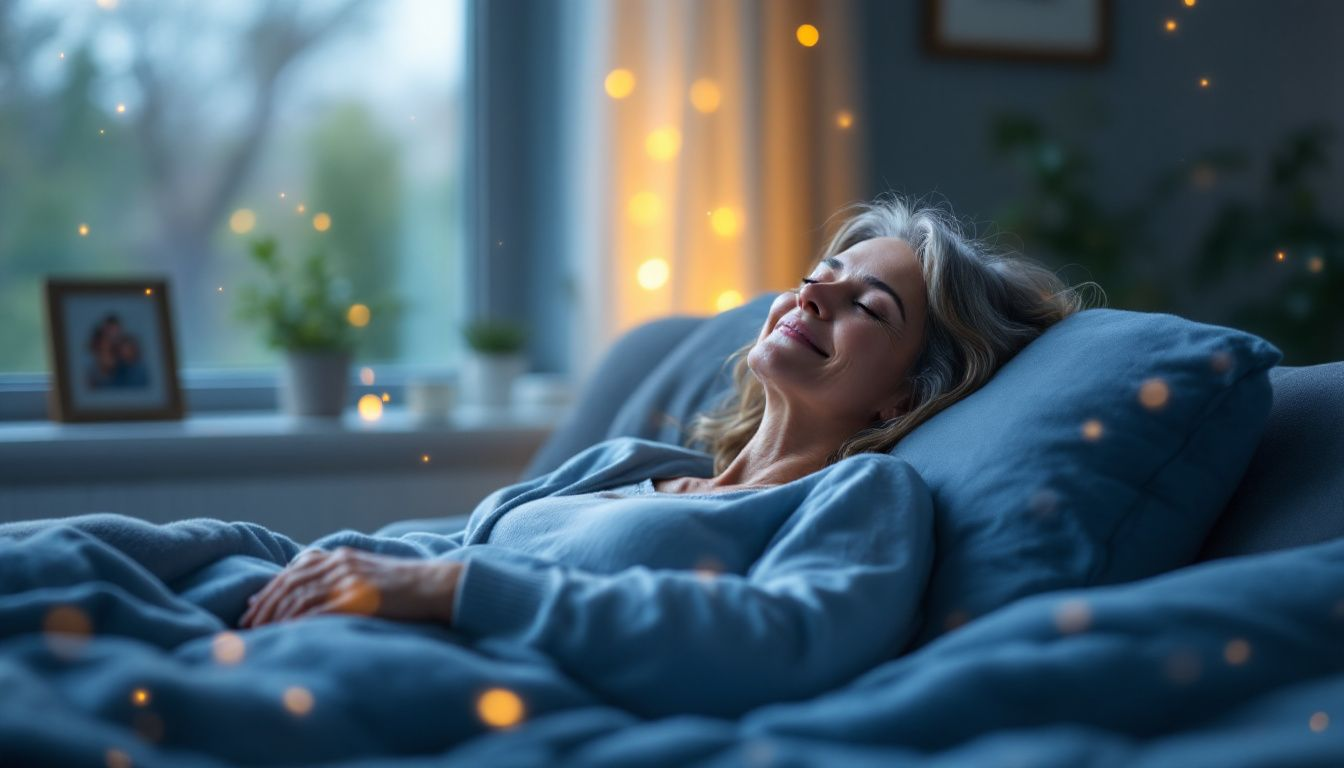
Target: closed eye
{"x":864,"y":307}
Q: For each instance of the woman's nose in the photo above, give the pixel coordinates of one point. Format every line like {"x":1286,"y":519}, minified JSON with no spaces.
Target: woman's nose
{"x":810,"y":300}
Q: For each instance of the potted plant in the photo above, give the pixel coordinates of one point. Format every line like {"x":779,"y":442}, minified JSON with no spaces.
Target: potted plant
{"x":494,"y":360}
{"x":306,"y":312}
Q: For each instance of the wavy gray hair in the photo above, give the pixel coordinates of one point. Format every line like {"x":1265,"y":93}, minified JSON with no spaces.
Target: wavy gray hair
{"x":983,"y":307}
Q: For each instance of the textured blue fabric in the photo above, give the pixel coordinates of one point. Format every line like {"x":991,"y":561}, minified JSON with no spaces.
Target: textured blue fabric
{"x":1024,"y":501}
{"x":785,"y":593}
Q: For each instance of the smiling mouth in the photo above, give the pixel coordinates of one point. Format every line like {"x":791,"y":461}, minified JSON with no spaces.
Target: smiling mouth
{"x":794,"y":333}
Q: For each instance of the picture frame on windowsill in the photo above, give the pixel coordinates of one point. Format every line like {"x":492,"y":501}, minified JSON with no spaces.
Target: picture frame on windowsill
{"x":1045,"y":31}
{"x":111,"y":350}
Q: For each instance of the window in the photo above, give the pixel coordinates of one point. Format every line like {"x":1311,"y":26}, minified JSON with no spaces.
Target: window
{"x":164,"y":136}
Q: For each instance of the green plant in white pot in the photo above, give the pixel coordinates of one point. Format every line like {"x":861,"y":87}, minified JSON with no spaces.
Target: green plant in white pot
{"x":494,"y":360}
{"x":306,"y":312}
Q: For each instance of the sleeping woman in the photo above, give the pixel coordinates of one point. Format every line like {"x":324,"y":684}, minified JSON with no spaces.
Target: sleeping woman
{"x":785,"y":560}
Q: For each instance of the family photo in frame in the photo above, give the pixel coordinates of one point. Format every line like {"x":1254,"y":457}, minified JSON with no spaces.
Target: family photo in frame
{"x":111,"y":350}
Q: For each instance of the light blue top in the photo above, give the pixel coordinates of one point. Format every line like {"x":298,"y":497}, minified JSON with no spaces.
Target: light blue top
{"x":712,"y":603}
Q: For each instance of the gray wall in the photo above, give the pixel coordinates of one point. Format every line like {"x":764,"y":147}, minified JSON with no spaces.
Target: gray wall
{"x":1275,"y":65}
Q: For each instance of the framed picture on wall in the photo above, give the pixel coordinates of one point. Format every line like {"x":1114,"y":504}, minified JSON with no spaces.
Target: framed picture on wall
{"x":1034,"y":30}
{"x":111,"y":352}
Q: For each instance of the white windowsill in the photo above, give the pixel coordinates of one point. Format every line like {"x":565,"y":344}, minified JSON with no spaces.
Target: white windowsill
{"x":268,"y":443}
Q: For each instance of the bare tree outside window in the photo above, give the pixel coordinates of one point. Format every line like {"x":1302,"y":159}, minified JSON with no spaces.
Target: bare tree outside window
{"x":161,"y":137}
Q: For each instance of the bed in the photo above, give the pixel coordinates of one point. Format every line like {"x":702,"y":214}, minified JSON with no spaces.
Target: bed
{"x":1139,"y":561}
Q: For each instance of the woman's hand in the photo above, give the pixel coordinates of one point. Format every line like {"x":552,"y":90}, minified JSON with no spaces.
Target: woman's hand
{"x":349,"y":580}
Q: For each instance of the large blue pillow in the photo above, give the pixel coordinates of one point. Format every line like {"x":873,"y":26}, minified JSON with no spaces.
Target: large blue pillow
{"x":1103,"y":452}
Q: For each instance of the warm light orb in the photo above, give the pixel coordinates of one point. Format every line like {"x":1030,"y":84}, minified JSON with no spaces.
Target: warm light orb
{"x":83,"y":230}
{"x":66,"y":629}
{"x":300,"y":208}
{"x":1171,"y":25}
{"x":149,"y":291}
{"x":121,"y":109}
{"x":242,"y":221}
{"x":386,"y":397}
{"x":298,"y":700}
{"x":644,"y":208}
{"x":663,"y":143}
{"x":705,"y":95}
{"x":370,"y":407}
{"x":115,"y":758}
{"x":620,"y":83}
{"x":1154,"y":393}
{"x":1315,"y":265}
{"x":1319,"y":722}
{"x":1189,"y":3}
{"x":107,"y":5}
{"x":1280,"y":256}
{"x":424,"y":458}
{"x":727,"y":300}
{"x":1073,"y":616}
{"x":844,"y":119}
{"x":808,"y":35}
{"x":366,"y":376}
{"x":1092,"y":430}
{"x":653,"y":274}
{"x":500,"y":708}
{"x":1203,"y":82}
{"x":140,"y":697}
{"x":228,"y":648}
{"x":322,"y":222}
{"x":1236,"y":652}
{"x":724,"y":221}
{"x":358,"y":315}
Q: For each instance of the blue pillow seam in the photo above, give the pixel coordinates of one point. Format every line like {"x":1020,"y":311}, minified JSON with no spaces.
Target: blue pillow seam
{"x":1127,"y":519}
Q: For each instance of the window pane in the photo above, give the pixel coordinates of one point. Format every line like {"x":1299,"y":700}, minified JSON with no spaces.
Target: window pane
{"x":165,"y":136}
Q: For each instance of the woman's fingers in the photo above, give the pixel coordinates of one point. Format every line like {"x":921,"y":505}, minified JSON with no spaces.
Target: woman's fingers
{"x":302,"y":571}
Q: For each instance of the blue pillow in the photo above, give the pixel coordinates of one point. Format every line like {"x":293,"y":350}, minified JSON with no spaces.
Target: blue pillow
{"x":1103,"y":452}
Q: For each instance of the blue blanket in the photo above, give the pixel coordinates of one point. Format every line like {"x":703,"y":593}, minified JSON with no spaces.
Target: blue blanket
{"x":115,"y":649}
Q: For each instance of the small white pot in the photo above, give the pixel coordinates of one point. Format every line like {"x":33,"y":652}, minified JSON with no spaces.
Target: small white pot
{"x":487,"y":380}
{"x":315,"y":383}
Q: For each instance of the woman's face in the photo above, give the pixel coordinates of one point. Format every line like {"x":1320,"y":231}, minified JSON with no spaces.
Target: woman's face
{"x":843,"y":344}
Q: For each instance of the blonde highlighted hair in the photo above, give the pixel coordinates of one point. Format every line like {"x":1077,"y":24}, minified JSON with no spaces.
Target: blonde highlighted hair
{"x":983,"y":307}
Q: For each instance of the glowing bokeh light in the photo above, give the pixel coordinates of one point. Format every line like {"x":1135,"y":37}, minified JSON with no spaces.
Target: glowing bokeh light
{"x":1319,"y":722}
{"x":242,"y":221}
{"x":228,"y":648}
{"x":107,"y":5}
{"x":358,"y":315}
{"x":1189,"y":3}
{"x":706,"y":96}
{"x":322,"y":222}
{"x":66,"y":630}
{"x":1315,"y":264}
{"x":653,"y":274}
{"x":300,"y":208}
{"x":807,"y":35}
{"x":1092,"y":430}
{"x":663,"y":143}
{"x":844,"y":119}
{"x":83,"y":230}
{"x":366,"y":376}
{"x":725,"y":221}
{"x":1203,"y":82}
{"x":1171,"y":25}
{"x":1073,"y":616}
{"x":370,"y":408}
{"x":620,"y":83}
{"x":386,"y":397}
{"x":644,"y":208}
{"x":1154,"y":393}
{"x":424,"y":458}
{"x":1280,"y":256}
{"x":121,"y":109}
{"x":727,"y":300}
{"x":1237,"y":652}
{"x":298,"y":700}
{"x":140,"y":697}
{"x":115,"y":758}
{"x":500,"y":708}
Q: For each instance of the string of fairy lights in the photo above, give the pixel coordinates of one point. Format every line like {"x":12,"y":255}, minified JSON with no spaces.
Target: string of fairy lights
{"x":68,"y":628}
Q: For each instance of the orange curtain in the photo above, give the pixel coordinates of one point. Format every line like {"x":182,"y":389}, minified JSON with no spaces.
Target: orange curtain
{"x":710,"y":146}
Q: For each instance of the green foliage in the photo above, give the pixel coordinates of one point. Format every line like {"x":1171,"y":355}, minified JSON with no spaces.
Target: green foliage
{"x":495,"y":337}
{"x":1062,"y":214}
{"x":355,"y":177}
{"x":1299,"y":306}
{"x":301,"y":307}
